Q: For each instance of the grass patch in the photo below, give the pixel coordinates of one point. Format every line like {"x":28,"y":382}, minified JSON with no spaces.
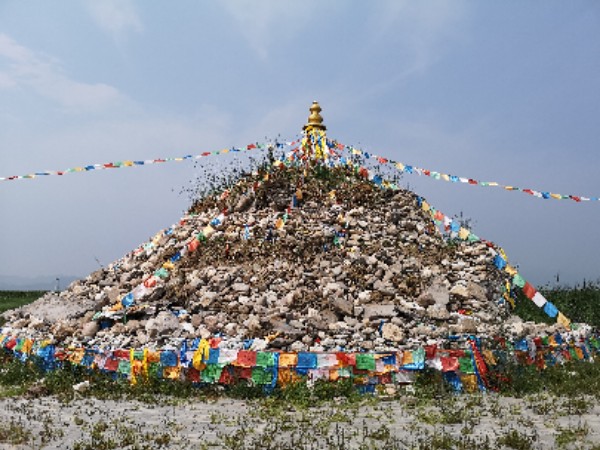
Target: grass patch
{"x":14,"y":299}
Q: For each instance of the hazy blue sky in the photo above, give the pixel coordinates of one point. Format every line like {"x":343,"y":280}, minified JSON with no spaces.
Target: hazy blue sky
{"x":498,"y":91}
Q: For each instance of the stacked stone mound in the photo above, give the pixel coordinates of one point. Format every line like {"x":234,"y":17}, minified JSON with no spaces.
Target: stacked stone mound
{"x":351,"y":266}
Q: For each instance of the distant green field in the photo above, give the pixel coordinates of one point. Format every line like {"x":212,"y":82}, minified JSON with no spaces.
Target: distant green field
{"x":14,"y":299}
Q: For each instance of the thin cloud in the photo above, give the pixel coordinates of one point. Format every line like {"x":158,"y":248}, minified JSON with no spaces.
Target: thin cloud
{"x":420,"y":28}
{"x":116,"y":17}
{"x":21,"y":67}
{"x":260,"y":23}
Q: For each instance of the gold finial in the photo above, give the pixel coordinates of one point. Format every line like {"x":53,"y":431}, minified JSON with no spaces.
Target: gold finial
{"x":315,"y":121}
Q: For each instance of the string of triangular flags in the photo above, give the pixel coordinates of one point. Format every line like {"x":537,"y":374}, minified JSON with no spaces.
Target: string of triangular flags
{"x":448,"y":224}
{"x":455,"y":230}
{"x":411,"y":169}
{"x":189,"y":246}
{"x":137,"y":163}
{"x":319,"y":148}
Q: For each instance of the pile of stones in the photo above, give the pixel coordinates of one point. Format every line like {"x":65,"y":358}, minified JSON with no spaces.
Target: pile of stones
{"x":301,"y":258}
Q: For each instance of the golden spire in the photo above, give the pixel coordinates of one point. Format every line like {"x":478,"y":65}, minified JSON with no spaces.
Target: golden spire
{"x":315,"y":121}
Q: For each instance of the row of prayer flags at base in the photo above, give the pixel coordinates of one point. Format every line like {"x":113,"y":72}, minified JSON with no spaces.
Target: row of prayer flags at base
{"x":209,"y":361}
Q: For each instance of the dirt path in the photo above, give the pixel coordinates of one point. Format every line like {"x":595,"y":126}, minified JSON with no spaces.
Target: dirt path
{"x":480,"y":422}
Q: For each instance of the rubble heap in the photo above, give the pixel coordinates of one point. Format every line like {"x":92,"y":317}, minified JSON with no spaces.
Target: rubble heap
{"x":303,"y":257}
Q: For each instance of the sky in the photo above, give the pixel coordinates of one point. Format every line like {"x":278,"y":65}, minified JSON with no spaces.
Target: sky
{"x":495,"y":91}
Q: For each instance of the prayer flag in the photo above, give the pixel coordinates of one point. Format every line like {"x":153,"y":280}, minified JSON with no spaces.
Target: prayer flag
{"x":529,"y":291}
{"x":539,"y":300}
{"x":550,"y":309}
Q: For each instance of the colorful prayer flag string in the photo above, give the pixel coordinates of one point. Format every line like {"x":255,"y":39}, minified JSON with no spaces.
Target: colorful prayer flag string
{"x":333,"y":157}
{"x":405,"y":168}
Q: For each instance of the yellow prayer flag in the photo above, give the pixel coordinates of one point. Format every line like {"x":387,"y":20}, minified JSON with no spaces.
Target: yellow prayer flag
{"x":425,"y":206}
{"x":501,"y":251}
{"x":469,"y":382}
{"x":489,"y":357}
{"x":145,"y":363}
{"x":288,"y":359}
{"x":197,"y":362}
{"x":171,"y":373}
{"x":208,"y":230}
{"x":168,"y":265}
{"x":510,"y":270}
{"x":26,"y":346}
{"x":463,"y":233}
{"x":564,"y":321}
{"x":152,"y":357}
{"x":132,"y":364}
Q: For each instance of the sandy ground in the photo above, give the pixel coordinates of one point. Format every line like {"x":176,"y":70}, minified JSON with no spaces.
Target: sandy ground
{"x":487,"y":421}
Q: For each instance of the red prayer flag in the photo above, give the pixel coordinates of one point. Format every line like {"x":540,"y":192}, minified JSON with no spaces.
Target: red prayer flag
{"x":430,"y":351}
{"x":529,"y":290}
{"x":192,"y":375}
{"x":193,"y":245}
{"x":246,"y":358}
{"x":227,"y":376}
{"x":122,"y":354}
{"x":111,"y":364}
{"x":449,"y":364}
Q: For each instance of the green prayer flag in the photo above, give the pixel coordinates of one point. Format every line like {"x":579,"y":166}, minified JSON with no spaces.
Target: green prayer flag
{"x":519,"y":281}
{"x":466,"y":365}
{"x":261,"y":376}
{"x":124,"y":367}
{"x":365,"y":362}
{"x":344,"y":372}
{"x":265,"y":359}
{"x":211,"y":373}
{"x":473,"y":238}
{"x":418,"y":355}
{"x":162,"y":273}
{"x":573,"y":353}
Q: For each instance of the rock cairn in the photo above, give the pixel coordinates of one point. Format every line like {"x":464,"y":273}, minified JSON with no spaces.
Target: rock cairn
{"x":306,"y":258}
